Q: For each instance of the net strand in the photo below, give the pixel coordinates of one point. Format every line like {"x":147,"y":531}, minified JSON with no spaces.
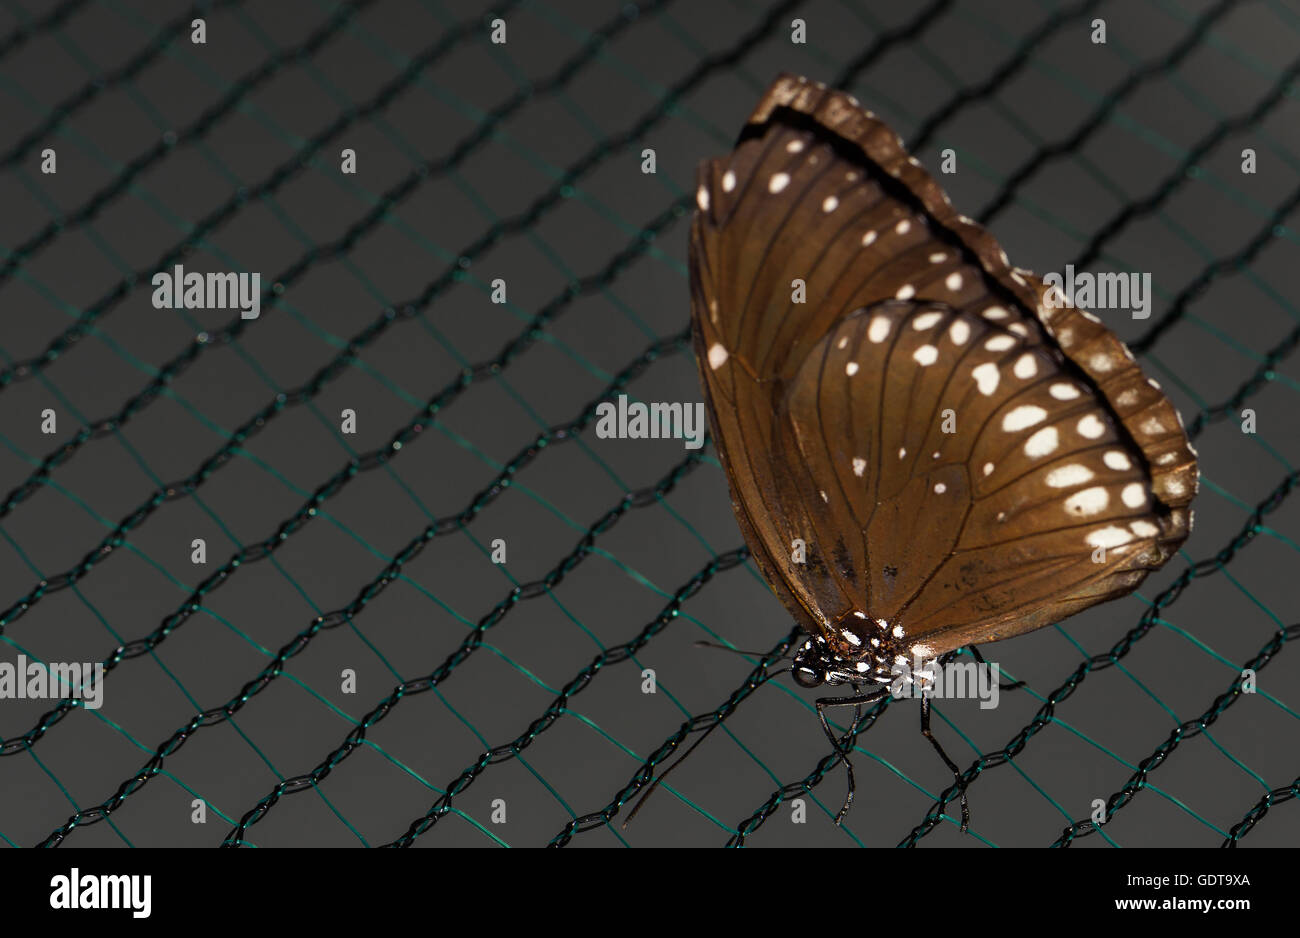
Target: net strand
{"x":124,"y":74}
{"x":1183,"y":731}
{"x":26,"y":32}
{"x":1136,"y":208}
{"x":1265,"y":236}
{"x":24,"y":370}
{"x":1008,"y":70}
{"x":1275,"y":797}
{"x":1135,"y":79}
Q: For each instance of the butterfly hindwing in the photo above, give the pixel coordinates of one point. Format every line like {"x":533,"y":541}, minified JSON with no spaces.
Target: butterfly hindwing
{"x":973,"y":479}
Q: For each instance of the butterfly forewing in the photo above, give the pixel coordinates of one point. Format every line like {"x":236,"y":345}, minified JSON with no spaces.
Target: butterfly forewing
{"x":962,"y":461}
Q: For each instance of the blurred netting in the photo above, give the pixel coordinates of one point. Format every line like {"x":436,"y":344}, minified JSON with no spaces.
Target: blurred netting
{"x":350,"y":666}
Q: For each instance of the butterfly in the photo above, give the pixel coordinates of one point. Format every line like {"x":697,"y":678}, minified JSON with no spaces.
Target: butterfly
{"x":925,"y":447}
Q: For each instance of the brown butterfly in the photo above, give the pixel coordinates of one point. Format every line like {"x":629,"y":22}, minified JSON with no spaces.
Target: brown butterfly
{"x":962,"y":456}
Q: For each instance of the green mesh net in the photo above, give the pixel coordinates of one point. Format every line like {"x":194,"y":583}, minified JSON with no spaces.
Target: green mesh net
{"x":350,"y":662}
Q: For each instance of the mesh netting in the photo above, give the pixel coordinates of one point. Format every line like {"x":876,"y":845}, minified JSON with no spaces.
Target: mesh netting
{"x":350,"y":665}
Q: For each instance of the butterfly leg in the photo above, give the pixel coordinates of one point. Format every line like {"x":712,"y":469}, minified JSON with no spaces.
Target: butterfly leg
{"x":975,"y":652}
{"x":956,"y":773}
{"x":855,"y":701}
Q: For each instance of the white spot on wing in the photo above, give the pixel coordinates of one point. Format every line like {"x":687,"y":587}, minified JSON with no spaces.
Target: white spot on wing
{"x":1066,"y":476}
{"x":1144,"y":529}
{"x":1088,"y":501}
{"x":926,"y":320}
{"x":903,"y":227}
{"x":1116,"y":460}
{"x":953,"y":281}
{"x":859,"y":465}
{"x":1063,"y":392}
{"x":1026,"y":366}
{"x":906,"y":292}
{"x":1026,"y":415}
{"x":1091,"y":427}
{"x":959,"y":332}
{"x":778,"y":182}
{"x":1042,"y":443}
{"x":851,"y":369}
{"x":717,"y":356}
{"x":830,"y":204}
{"x":986,"y":376}
{"x":1108,"y":537}
{"x":1133,"y":495}
{"x":702,"y":199}
{"x":868,"y":239}
{"x":926,"y":355}
{"x":999,"y":343}
{"x":728,"y":181}
{"x":878,"y":331}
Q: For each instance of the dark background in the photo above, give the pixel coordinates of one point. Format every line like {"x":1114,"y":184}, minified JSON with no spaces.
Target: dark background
{"x":1011,"y":81}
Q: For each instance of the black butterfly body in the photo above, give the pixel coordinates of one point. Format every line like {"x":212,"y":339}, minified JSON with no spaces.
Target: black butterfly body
{"x":924,"y":448}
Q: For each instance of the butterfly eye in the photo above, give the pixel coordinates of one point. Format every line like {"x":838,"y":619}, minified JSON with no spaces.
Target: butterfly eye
{"x":809,"y":668}
{"x":809,"y":675}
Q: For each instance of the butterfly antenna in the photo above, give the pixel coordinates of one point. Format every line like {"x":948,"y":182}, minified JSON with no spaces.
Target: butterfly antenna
{"x":655,"y":784}
{"x":701,"y":643}
{"x":705,"y":735}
